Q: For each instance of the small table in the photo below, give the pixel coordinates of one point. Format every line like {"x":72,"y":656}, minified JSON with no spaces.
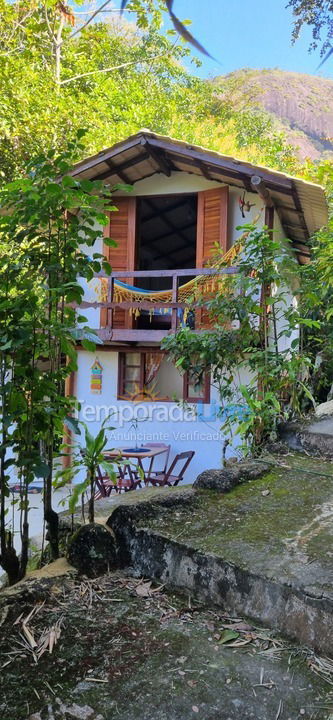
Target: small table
{"x":138,"y":454}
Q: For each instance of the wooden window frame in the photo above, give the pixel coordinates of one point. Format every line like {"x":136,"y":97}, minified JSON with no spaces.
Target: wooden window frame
{"x":121,"y":395}
{"x":205,"y":398}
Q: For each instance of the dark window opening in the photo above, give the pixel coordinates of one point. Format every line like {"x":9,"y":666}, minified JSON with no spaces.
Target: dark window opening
{"x":167,"y":231}
{"x":166,"y":240}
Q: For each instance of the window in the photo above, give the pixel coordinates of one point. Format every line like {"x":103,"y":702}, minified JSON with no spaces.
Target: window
{"x":149,"y":376}
{"x":196,"y":392}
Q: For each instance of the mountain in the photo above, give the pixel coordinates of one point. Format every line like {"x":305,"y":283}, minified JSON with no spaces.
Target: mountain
{"x":301,"y":105}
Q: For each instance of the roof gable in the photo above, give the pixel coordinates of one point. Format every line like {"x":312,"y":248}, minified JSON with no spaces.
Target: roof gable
{"x":301,"y":205}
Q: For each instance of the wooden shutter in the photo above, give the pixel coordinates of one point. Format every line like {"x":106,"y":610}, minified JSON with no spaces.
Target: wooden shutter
{"x":212,"y":224}
{"x":122,"y":257}
{"x":212,"y":228}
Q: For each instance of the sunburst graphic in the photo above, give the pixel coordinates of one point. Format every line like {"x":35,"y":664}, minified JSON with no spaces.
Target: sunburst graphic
{"x":141,"y":394}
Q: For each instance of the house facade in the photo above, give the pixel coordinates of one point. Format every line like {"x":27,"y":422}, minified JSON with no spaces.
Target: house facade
{"x":185,"y":202}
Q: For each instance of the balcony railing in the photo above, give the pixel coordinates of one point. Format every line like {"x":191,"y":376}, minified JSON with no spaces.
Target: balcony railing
{"x":125,"y":334}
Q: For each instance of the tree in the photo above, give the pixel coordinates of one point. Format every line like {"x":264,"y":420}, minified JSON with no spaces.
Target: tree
{"x":116,"y":77}
{"x":46,"y":215}
{"x":318,"y":14}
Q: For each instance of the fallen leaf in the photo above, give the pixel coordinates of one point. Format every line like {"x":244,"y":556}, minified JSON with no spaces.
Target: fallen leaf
{"x":265,"y":492}
{"x":227,"y":636}
{"x":238,"y":643}
{"x":195,"y":708}
{"x":98,"y":680}
{"x":29,"y":636}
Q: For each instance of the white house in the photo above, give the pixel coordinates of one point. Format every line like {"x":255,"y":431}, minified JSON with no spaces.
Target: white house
{"x":185,"y":199}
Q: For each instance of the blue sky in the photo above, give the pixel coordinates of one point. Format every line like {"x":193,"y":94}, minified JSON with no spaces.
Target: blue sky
{"x":256,"y":34}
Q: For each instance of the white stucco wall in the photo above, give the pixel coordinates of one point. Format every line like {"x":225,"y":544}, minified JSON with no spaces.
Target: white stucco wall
{"x":193,"y":428}
{"x":163,"y":421}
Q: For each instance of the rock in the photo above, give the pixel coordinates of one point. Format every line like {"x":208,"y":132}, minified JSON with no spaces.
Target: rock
{"x":325,"y":408}
{"x":226,"y":478}
{"x":66,"y":528}
{"x":276,"y":448}
{"x":80,"y":712}
{"x":92,"y":550}
{"x":231,"y":461}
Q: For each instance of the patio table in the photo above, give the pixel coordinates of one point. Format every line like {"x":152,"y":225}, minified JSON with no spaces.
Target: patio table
{"x":138,"y":454}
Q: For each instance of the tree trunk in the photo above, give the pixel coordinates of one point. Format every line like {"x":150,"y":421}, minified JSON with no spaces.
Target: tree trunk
{"x":57,"y":51}
{"x":92,"y":498}
{"x":50,"y":516}
{"x":9,"y":560}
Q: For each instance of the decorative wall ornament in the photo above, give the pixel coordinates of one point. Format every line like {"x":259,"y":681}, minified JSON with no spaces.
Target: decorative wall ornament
{"x":245,"y":205}
{"x":96,"y":377}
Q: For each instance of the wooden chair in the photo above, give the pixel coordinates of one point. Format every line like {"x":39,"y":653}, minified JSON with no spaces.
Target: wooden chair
{"x":169,"y":477}
{"x":165,"y":454}
{"x":103,"y":485}
{"x":126,"y":480}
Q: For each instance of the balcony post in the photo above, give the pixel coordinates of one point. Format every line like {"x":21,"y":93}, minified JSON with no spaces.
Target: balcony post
{"x":110,"y":299}
{"x":174,"y":312}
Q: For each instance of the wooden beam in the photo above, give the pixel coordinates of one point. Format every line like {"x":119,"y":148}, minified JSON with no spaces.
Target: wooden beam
{"x":169,"y":273}
{"x":205,"y":171}
{"x":259,"y":186}
{"x":120,"y":336}
{"x":167,"y":221}
{"x":299,"y":208}
{"x":288,"y":208}
{"x":247,"y":183}
{"x":160,"y":160}
{"x":109,"y":153}
{"x":263,"y":192}
{"x":118,"y":169}
{"x":157,"y":213}
{"x":129,"y":347}
{"x":225,"y":164}
{"x":166,"y":235}
{"x":128,"y":304}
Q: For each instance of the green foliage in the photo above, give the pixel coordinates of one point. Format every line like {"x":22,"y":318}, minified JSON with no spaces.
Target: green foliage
{"x":113,"y":78}
{"x":317,"y":298}
{"x":91,"y":457}
{"x":44,"y":217}
{"x":255,"y":317}
{"x":318,"y":14}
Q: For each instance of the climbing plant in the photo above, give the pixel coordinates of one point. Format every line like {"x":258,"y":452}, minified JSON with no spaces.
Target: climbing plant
{"x":253,"y":351}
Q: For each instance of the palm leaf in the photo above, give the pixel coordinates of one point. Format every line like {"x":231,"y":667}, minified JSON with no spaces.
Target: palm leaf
{"x":181,"y":29}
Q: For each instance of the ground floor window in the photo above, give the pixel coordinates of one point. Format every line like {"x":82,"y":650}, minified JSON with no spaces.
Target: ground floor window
{"x":150,"y":376}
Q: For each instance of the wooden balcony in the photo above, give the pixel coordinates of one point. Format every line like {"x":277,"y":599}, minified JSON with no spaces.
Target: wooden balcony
{"x":128,"y":331}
